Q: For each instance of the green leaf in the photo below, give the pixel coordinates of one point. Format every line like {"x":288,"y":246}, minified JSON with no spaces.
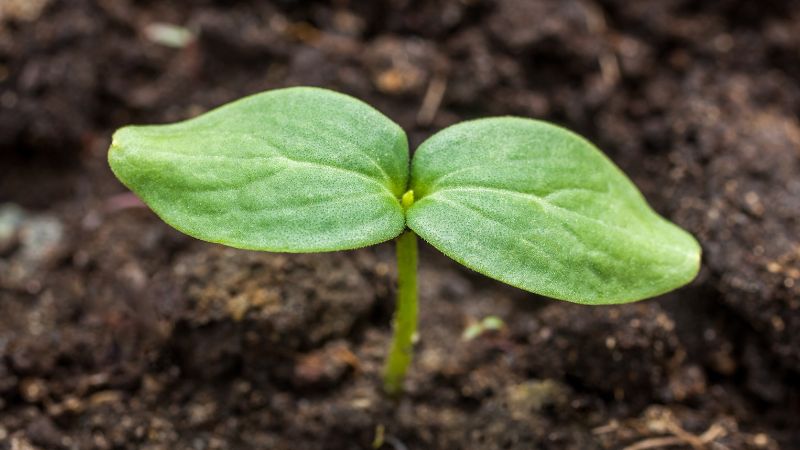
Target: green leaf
{"x":540,"y":208}
{"x":290,"y":170}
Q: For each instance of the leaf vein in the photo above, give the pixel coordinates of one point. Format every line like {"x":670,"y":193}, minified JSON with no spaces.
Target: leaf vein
{"x":548,"y":205}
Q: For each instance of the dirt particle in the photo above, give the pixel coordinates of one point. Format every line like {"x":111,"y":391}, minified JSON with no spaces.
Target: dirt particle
{"x":23,"y":10}
{"x":202,"y":412}
{"x":400,"y":66}
{"x":33,"y":390}
{"x":325,"y":367}
{"x":534,"y":396}
{"x":43,"y":432}
{"x":237,"y":307}
{"x":105,"y":397}
{"x":778,"y":323}
{"x":70,"y":405}
{"x":21,"y":444}
{"x":761,"y":440}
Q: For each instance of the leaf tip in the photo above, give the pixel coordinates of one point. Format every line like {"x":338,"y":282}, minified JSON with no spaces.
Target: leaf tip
{"x":117,"y":150}
{"x":122,"y":154}
{"x":695,"y":257}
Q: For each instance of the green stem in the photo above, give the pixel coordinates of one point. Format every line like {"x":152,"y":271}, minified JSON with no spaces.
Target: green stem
{"x":405,"y":317}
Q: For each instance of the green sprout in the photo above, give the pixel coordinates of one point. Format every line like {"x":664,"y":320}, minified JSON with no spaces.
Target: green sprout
{"x":488,"y":323}
{"x":310,"y":170}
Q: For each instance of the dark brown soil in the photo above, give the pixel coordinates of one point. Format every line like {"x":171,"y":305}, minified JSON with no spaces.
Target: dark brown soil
{"x":117,"y":332}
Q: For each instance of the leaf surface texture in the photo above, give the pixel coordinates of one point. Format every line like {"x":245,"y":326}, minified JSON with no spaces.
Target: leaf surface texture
{"x":540,"y":208}
{"x":289,"y":170}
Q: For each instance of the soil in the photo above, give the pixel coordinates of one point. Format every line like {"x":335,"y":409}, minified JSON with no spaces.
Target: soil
{"x":117,"y":332}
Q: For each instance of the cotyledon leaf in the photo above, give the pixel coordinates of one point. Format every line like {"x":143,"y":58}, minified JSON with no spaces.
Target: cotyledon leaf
{"x":290,"y":170}
{"x":538,"y":207}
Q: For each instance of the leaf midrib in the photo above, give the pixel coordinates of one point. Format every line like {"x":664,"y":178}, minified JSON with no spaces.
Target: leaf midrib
{"x":280,"y":157}
{"x":265,"y":141}
{"x":546,"y":204}
{"x":436,"y":183}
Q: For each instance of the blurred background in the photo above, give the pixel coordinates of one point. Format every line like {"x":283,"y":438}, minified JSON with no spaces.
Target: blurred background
{"x":117,"y":332}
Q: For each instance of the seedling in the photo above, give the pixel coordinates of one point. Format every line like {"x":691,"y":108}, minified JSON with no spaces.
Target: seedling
{"x":488,"y":323}
{"x":310,"y":170}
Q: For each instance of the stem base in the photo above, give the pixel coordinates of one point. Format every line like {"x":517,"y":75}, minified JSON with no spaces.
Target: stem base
{"x":405,"y":318}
